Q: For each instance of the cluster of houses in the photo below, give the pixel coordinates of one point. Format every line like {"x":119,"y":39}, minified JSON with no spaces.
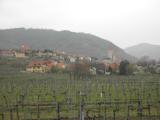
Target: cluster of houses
{"x":63,"y":60}
{"x":43,"y":60}
{"x":17,"y":53}
{"x":12,"y":53}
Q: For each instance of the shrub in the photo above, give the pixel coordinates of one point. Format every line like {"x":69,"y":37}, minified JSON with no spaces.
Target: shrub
{"x":55,"y":70}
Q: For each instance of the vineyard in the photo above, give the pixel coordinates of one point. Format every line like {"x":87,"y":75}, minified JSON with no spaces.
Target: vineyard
{"x":47,"y":96}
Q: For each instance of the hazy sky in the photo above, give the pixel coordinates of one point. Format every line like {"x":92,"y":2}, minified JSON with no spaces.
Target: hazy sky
{"x":123,"y":22}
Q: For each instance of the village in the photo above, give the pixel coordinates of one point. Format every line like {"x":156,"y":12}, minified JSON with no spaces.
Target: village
{"x":45,"y":61}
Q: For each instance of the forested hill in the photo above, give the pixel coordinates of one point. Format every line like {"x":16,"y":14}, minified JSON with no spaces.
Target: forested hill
{"x":71,"y":42}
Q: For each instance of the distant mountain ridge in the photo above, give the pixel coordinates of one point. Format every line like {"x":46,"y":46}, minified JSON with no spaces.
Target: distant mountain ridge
{"x":144,"y":49}
{"x":71,"y":42}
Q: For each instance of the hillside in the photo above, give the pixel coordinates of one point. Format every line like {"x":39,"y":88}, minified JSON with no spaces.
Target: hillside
{"x":71,"y":42}
{"x":145,"y":49}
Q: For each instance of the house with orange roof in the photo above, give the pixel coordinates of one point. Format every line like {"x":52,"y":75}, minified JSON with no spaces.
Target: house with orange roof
{"x":40,"y":66}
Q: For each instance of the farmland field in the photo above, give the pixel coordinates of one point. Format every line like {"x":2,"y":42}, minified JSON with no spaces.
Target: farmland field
{"x":28,"y":96}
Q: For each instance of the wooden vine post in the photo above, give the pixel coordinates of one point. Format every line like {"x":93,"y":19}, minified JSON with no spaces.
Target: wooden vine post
{"x":58,"y":111}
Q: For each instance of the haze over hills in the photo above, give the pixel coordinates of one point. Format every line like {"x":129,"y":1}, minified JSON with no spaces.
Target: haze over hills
{"x":71,"y":42}
{"x":145,"y":49}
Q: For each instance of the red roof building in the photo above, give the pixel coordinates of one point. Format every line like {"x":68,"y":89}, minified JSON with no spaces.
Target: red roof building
{"x":40,"y":66}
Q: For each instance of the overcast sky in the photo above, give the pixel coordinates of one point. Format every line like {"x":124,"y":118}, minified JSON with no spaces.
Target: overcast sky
{"x":123,"y":22}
